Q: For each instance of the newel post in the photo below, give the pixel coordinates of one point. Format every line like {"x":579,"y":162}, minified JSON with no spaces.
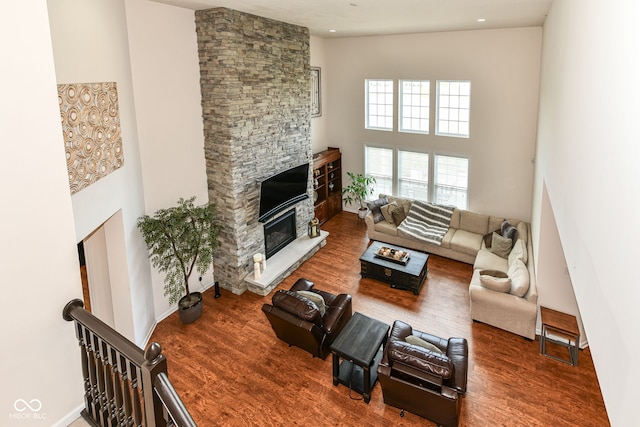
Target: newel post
{"x":154,"y":364}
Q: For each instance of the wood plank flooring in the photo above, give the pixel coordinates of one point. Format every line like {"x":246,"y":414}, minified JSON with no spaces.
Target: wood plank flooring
{"x":230,"y":369}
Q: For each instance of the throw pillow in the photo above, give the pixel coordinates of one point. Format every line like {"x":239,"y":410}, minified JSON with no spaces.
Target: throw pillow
{"x":499,"y":282}
{"x":412,"y":339}
{"x":375,"y":206}
{"x":385,"y":212}
{"x":518,"y":252}
{"x":316,"y":299}
{"x":519,"y":276}
{"x":494,"y":273}
{"x":487,"y":238}
{"x":398,"y":214}
{"x":508,"y":231}
{"x":500,"y":246}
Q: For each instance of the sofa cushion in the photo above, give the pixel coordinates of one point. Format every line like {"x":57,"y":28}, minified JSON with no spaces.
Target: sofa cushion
{"x":386,"y":228}
{"x":375,"y":206}
{"x":519,"y":251}
{"x":474,"y":222}
{"x":495,"y":223}
{"x":455,"y":219}
{"x":316,"y":298}
{"x":519,"y":276}
{"x":446,"y":240}
{"x":412,"y":339}
{"x":466,"y":242}
{"x":386,"y":211}
{"x":495,"y":280}
{"x":523,"y":232}
{"x":500,"y":246}
{"x":487,"y":260}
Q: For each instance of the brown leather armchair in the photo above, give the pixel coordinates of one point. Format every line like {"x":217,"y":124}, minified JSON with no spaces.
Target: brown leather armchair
{"x":425,"y":382}
{"x":297,"y":320}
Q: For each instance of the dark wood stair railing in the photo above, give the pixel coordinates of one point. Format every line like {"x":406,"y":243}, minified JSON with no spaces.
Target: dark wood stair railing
{"x":123,"y":385}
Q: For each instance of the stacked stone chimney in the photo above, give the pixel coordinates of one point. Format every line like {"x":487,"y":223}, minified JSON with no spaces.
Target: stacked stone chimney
{"x":255,"y":84}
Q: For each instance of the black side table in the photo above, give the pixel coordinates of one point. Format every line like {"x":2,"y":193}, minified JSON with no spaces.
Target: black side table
{"x":359,"y":344}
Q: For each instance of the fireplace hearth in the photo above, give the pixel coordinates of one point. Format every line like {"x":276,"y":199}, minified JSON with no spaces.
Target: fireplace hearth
{"x":279,"y":233}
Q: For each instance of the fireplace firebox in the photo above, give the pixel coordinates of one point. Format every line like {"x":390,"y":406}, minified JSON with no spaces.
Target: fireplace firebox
{"x":279,"y":232}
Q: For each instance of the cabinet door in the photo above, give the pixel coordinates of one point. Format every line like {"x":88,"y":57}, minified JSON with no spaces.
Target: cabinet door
{"x":335,"y":204}
{"x":321,"y":211}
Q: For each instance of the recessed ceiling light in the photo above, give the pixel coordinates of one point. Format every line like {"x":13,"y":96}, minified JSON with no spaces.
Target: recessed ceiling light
{"x":481,"y":20}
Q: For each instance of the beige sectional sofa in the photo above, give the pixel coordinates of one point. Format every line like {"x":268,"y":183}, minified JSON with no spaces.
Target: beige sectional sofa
{"x":464,"y":241}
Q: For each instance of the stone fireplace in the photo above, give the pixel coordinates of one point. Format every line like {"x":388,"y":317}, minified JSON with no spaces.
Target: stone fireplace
{"x":255,"y":85}
{"x":279,"y":232}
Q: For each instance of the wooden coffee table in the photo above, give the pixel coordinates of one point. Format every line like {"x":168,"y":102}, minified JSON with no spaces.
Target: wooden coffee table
{"x":359,"y":344}
{"x":410,"y":276}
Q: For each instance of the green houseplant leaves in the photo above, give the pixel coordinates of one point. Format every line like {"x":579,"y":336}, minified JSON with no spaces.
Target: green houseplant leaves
{"x":180,"y":239}
{"x":359,"y":189}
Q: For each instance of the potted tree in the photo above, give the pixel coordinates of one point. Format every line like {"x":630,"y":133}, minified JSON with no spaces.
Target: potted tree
{"x":358,"y":190}
{"x":181,"y":239}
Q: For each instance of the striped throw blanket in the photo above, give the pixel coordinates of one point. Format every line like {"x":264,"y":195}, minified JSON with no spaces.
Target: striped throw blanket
{"x":427,"y":222}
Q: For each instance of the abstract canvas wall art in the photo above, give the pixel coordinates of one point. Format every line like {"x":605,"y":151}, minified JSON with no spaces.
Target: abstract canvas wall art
{"x":91,"y":130}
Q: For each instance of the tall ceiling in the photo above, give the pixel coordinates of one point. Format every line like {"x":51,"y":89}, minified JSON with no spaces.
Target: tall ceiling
{"x":351,"y":18}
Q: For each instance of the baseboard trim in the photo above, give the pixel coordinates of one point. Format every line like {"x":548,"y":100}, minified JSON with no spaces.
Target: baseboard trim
{"x":168,"y":313}
{"x":70,"y":417}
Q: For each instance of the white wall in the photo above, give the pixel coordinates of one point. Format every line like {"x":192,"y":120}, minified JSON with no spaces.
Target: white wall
{"x":319,"y":136}
{"x":503,"y":66}
{"x":166,"y":85}
{"x":555,"y":290}
{"x":90,"y":45}
{"x":39,"y":354}
{"x":587,"y":158}
{"x":97,"y":266}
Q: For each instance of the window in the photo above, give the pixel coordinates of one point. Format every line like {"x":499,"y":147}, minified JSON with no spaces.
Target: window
{"x":413,"y":175}
{"x":451,"y":181}
{"x":414,"y":106}
{"x":379,"y":164}
{"x":454,"y":103}
{"x":379,"y":104}
{"x":438,"y":178}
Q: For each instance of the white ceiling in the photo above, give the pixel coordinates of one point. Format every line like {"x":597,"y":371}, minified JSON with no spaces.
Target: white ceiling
{"x":375,"y":17}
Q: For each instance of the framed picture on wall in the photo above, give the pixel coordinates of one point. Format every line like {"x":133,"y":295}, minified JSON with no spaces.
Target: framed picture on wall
{"x":316,"y":102}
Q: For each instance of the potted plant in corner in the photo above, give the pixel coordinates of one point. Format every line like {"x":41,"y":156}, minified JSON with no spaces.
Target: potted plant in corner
{"x":358,"y":190}
{"x":180,"y":239}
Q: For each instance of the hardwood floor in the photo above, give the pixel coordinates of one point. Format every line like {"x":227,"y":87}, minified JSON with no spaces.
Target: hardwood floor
{"x":230,"y":369}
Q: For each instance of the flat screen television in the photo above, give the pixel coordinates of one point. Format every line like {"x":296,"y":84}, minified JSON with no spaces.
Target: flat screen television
{"x":283,"y":190}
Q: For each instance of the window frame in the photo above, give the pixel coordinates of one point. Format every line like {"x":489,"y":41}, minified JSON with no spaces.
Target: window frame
{"x":368,"y":105}
{"x":376,"y":191}
{"x":434,"y":187}
{"x":401,"y":107}
{"x":398,"y":178}
{"x":432,"y":178}
{"x":439,"y":111}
